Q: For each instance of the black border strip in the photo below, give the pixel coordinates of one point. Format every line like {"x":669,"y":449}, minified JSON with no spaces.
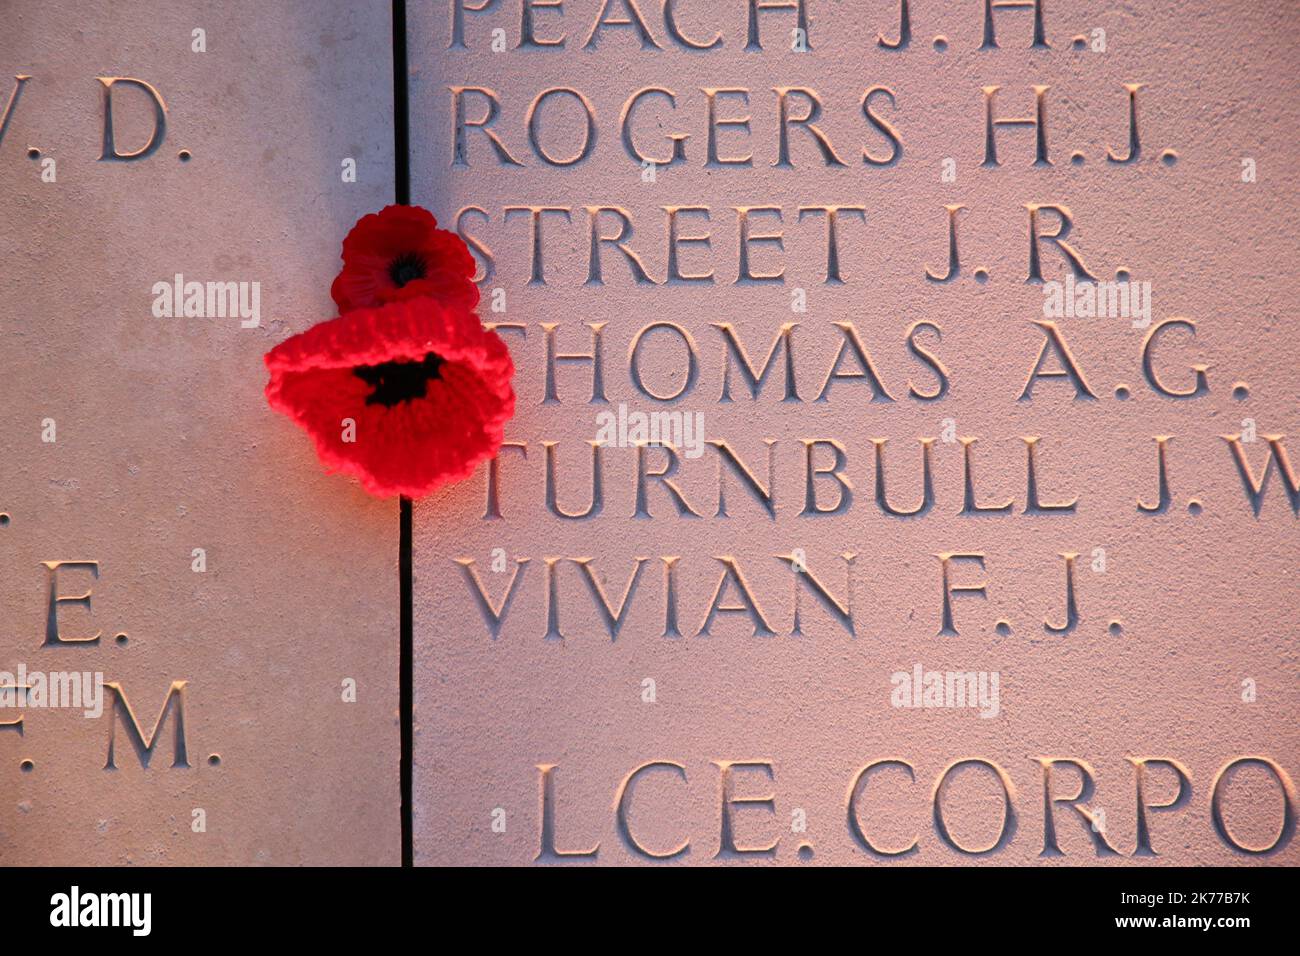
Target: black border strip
{"x":292,"y":908}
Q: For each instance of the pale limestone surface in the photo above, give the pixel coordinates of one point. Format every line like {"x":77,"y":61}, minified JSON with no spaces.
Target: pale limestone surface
{"x":164,"y":442}
{"x":1205,"y":602}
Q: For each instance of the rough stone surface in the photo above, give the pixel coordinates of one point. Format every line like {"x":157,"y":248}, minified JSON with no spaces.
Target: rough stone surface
{"x":165,"y":444}
{"x":1204,"y":602}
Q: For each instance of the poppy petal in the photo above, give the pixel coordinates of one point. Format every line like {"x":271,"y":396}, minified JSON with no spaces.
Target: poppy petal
{"x":443,"y":266}
{"x":414,"y":444}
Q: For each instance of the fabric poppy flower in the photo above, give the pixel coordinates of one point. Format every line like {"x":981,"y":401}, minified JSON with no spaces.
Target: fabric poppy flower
{"x":398,"y":254}
{"x":406,"y":396}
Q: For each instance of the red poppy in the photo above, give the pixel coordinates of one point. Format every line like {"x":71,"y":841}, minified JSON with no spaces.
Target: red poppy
{"x":406,"y":397}
{"x":400,"y":253}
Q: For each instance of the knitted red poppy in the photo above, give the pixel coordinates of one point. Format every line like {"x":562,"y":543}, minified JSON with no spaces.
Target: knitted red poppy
{"x":400,"y":253}
{"x":405,"y":397}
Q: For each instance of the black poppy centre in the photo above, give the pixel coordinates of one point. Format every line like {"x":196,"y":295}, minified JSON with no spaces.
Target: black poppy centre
{"x":407,"y":267}
{"x":400,"y":381}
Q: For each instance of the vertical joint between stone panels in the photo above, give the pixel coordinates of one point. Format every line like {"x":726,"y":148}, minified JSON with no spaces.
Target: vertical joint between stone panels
{"x":406,"y":688}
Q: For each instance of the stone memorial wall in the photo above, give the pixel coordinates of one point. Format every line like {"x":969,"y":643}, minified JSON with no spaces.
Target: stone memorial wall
{"x":902,"y":470}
